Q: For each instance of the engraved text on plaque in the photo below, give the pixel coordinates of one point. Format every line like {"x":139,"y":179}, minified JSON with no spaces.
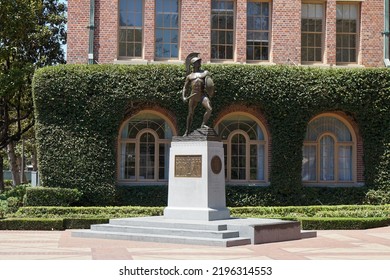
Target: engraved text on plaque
{"x":188,"y":166}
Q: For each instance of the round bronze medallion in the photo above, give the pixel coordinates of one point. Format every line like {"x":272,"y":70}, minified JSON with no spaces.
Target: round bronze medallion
{"x":216,"y":164}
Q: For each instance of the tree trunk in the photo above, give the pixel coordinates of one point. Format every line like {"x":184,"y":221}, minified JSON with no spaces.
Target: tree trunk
{"x":2,"y":187}
{"x":13,"y":163}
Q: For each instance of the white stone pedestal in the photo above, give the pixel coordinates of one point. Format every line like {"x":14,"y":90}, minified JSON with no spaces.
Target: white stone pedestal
{"x":196,"y":188}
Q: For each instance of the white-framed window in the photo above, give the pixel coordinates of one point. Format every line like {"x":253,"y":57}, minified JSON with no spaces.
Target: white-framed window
{"x":222,"y":29}
{"x":143,"y":150}
{"x":258,"y":30}
{"x":167,"y":29}
{"x":312,"y":26}
{"x":245,"y":147}
{"x":130,"y":28}
{"x":347,"y":33}
{"x":329,"y":151}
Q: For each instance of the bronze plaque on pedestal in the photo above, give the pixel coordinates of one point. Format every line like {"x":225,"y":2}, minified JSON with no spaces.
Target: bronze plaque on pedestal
{"x":188,"y":166}
{"x":216,"y":164}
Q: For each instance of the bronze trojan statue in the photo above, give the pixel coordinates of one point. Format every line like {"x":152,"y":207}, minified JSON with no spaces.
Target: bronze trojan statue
{"x":198,"y":87}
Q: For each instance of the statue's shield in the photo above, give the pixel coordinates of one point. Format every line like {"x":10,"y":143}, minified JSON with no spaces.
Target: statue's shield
{"x":209,"y":86}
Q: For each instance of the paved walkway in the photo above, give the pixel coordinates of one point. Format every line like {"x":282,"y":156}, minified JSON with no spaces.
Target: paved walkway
{"x":368,"y":244}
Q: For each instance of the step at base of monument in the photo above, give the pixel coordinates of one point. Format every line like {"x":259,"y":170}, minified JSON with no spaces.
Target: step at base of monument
{"x":229,"y":242}
{"x":225,"y":233}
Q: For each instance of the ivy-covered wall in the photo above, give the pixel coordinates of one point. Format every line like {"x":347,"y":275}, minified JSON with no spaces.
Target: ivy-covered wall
{"x":79,"y":109}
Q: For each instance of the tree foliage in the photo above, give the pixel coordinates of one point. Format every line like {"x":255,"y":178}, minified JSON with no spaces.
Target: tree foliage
{"x":31,"y":35}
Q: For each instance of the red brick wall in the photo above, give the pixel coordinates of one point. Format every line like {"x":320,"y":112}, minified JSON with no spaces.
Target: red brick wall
{"x":195,"y":31}
{"x":106,"y":31}
{"x":78,"y":20}
{"x":372,"y":24}
{"x":330,"y":33}
{"x":195,"y":28}
{"x":148,"y":48}
{"x":286,"y":37}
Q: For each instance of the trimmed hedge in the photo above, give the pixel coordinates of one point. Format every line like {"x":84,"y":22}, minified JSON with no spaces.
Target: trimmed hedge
{"x":82,"y":223}
{"x":314,"y":217}
{"x":79,"y":109}
{"x":85,"y":223}
{"x":343,"y":223}
{"x":80,"y":212}
{"x":42,"y":196}
{"x":354,"y":211}
{"x":239,"y":196}
{"x":31,"y":224}
{"x":49,"y":224}
{"x":141,"y":195}
{"x":347,"y":211}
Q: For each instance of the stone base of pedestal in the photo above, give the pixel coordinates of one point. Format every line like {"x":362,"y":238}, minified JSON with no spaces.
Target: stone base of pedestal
{"x":198,"y":213}
{"x":225,"y":233}
{"x":196,"y":189}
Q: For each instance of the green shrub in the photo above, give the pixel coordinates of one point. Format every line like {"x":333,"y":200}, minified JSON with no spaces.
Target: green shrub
{"x":239,"y":196}
{"x":377,"y":197}
{"x":43,"y":196}
{"x":18,"y":191}
{"x":80,"y":212}
{"x":8,"y":183}
{"x":312,"y":217}
{"x":83,"y":223}
{"x":142,"y":195}
{"x":31,"y":224}
{"x":350,"y":211}
{"x":71,"y":100}
{"x":14,"y":203}
{"x":343,"y":223}
{"x":3,"y":208}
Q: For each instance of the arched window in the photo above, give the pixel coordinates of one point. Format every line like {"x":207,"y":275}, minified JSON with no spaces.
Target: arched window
{"x":245,"y":144}
{"x":328,"y":151}
{"x":144,"y":148}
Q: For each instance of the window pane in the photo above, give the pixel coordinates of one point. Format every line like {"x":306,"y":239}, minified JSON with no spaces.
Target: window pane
{"x":160,"y":20}
{"x":122,"y":49}
{"x":167,"y":28}
{"x":257,"y":30}
{"x":222,"y":29}
{"x":327,"y":159}
{"x":130,"y":29}
{"x":138,"y":20}
{"x":238,"y":158}
{"x":130,"y":50}
{"x":129,"y":167}
{"x":138,"y":35}
{"x":346,"y":32}
{"x":138,"y":50}
{"x":309,"y":170}
{"x":311,"y":32}
{"x":332,"y":125}
{"x":345,"y":163}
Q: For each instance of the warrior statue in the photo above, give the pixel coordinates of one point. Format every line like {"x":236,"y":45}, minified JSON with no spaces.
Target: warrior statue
{"x":198,"y":87}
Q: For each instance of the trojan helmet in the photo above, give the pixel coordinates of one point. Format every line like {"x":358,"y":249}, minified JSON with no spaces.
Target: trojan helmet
{"x":195,"y":59}
{"x":190,"y":60}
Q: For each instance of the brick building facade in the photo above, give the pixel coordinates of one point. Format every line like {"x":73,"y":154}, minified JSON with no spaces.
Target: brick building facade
{"x":294,"y":32}
{"x":280,"y":31}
